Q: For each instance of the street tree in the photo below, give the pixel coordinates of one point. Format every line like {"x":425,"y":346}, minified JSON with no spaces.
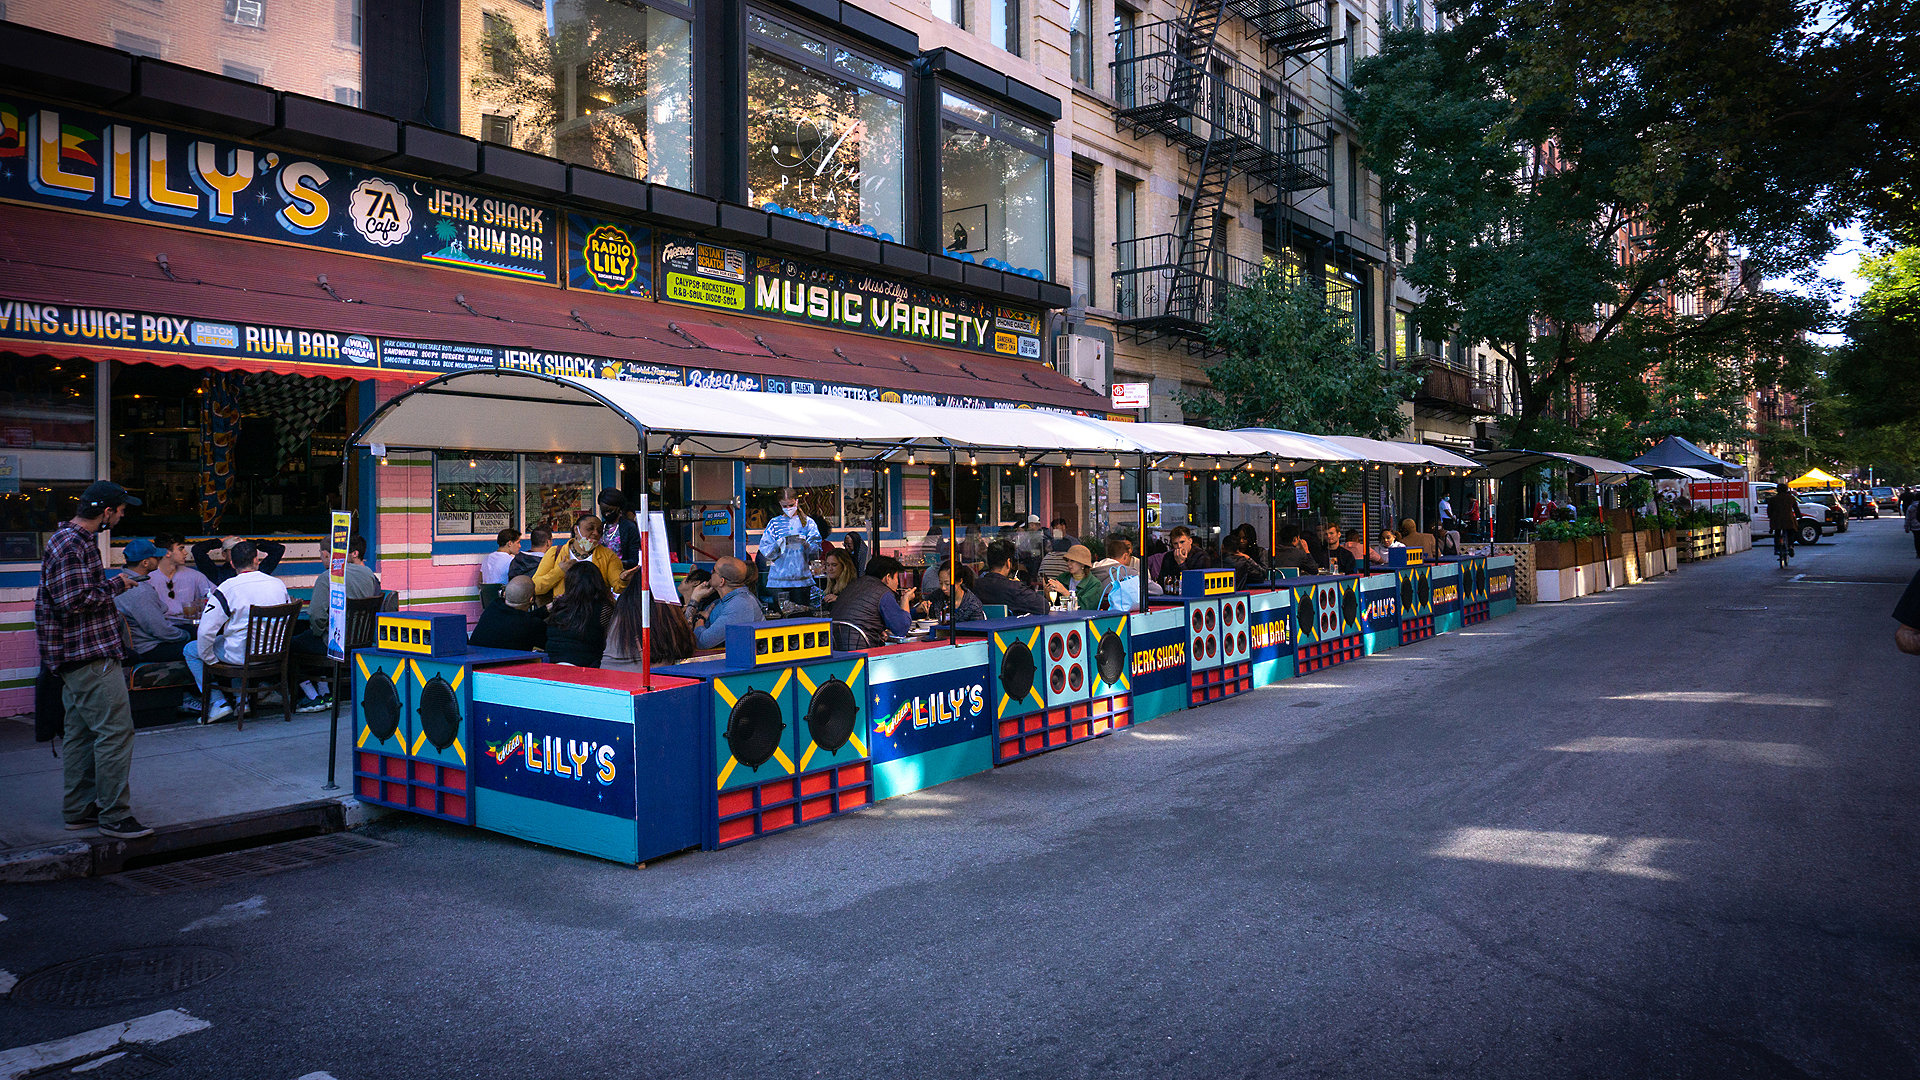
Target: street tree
{"x":1575,"y":194}
{"x":1876,"y":376}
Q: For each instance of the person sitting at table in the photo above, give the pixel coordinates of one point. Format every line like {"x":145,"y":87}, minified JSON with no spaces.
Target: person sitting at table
{"x":495,"y":568}
{"x":1125,"y":563}
{"x":937,"y":602}
{"x":840,"y":574}
{"x":550,"y":580}
{"x":875,"y":603}
{"x":1077,"y":579}
{"x":1355,"y":545}
{"x":577,"y":622}
{"x":1339,"y":559}
{"x":214,"y":558}
{"x":1293,"y":551}
{"x":362,"y":584}
{"x":1181,"y":555}
{"x":621,"y":533}
{"x":222,"y":636}
{"x":1412,"y":537}
{"x":183,"y":590}
{"x":729,"y":601}
{"x":1249,"y":539}
{"x":1446,"y":541}
{"x":511,"y":623}
{"x":154,"y":637}
{"x":997,"y":585}
{"x":1247,"y":571}
{"x":526,"y":561}
{"x":671,"y":636}
{"x":693,"y":597}
{"x":788,"y":543}
{"x":1388,"y":541}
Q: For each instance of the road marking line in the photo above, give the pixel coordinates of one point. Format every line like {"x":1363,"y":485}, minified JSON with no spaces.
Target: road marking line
{"x":253,"y":907}
{"x":99,"y":1061}
{"x":145,"y":1030}
{"x":318,"y":1076}
{"x":6,"y":982}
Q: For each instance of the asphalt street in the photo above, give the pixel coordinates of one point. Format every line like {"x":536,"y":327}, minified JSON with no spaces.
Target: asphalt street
{"x":1664,"y":832}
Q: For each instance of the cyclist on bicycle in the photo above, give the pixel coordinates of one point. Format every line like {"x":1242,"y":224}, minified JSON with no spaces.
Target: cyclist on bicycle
{"x":1783,"y":513}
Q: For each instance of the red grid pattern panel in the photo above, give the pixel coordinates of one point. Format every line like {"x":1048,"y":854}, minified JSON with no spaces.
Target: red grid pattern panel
{"x":421,"y":787}
{"x":1476,"y":613}
{"x":1062,"y":725}
{"x":745,"y":813}
{"x":1337,"y":651}
{"x":1221,"y":682}
{"x":1412,"y":630}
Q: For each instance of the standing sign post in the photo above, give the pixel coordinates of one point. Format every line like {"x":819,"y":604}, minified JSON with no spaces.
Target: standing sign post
{"x":341,"y":535}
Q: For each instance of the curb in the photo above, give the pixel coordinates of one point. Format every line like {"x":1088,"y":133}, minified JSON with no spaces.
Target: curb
{"x":100,"y":856}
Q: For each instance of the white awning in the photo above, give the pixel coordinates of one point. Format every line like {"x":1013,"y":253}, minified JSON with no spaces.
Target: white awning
{"x":1415,"y":455}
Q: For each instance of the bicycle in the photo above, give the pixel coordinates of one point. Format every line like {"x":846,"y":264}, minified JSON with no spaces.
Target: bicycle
{"x":1783,"y":547}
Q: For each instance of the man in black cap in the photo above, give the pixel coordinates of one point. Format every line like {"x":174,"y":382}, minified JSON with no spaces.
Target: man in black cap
{"x":79,"y":631}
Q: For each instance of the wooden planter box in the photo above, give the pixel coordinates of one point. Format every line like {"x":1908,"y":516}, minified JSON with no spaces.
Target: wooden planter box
{"x":1587,"y":551}
{"x":1554,"y":554}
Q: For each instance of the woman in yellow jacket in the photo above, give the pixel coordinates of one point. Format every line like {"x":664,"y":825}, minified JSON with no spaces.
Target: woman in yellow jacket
{"x":549,"y":577}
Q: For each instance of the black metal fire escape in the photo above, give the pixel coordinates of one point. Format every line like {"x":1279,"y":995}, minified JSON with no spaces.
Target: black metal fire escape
{"x":1171,"y":79}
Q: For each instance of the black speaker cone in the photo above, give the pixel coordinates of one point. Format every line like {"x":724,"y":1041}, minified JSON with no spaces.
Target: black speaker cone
{"x":380,"y":703}
{"x":439,"y":713}
{"x":832,"y":716}
{"x":1055,"y":647}
{"x":754,"y":728}
{"x":1073,"y":643}
{"x":1016,"y":671}
{"x":1111,"y":657}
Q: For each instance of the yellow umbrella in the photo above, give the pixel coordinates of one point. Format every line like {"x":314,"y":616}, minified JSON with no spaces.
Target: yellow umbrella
{"x":1816,"y":478}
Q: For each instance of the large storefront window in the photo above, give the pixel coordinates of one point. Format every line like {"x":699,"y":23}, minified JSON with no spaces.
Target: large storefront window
{"x":478,"y":494}
{"x":311,"y":47}
{"x":47,"y":436}
{"x":602,"y":83}
{"x":995,"y":193}
{"x":210,"y":452}
{"x":826,"y":131}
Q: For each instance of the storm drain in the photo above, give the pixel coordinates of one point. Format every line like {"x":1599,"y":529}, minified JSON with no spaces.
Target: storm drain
{"x":121,"y":977}
{"x":250,"y":863}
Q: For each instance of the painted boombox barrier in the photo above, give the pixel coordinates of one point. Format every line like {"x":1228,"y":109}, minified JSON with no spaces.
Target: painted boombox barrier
{"x":1326,"y":615}
{"x":787,"y":741}
{"x":413,"y":746}
{"x":1054,"y":680}
{"x":782,"y":731}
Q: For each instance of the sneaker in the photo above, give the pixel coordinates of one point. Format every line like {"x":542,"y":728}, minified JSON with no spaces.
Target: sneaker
{"x":126,"y":828}
{"x":191,"y":703}
{"x":220,"y":711}
{"x":315,"y":704}
{"x":89,"y":820}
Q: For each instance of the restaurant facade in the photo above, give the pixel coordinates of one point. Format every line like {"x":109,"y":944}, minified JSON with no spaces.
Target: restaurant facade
{"x":225,"y":244}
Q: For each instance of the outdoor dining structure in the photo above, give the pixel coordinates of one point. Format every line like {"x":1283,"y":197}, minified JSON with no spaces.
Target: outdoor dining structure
{"x":788,"y":727}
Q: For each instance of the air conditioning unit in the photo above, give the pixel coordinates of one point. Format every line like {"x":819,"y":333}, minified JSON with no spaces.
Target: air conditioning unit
{"x":247,"y":12}
{"x":1085,"y":360}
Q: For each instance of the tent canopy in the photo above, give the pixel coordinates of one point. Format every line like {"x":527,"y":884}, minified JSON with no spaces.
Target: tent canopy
{"x":1676,"y":451}
{"x":515,"y":411}
{"x":1816,"y":478}
{"x":1499,"y":464}
{"x":1680,"y":472}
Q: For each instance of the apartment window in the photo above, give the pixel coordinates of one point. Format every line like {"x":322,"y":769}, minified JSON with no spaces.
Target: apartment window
{"x":1126,"y":23}
{"x":496,"y":129}
{"x":347,"y":95}
{"x":1003,"y":24}
{"x":1126,"y":207}
{"x":350,"y":17}
{"x":250,"y":13}
{"x":826,"y":131}
{"x":1354,"y":185}
{"x":1399,"y":13}
{"x":1350,"y":49}
{"x":1083,"y":181}
{"x":1080,"y":42}
{"x":602,"y":83}
{"x":137,"y":44}
{"x":1403,"y":337}
{"x":953,"y":11}
{"x":995,"y":182}
{"x":1333,"y":23}
{"x":241,"y":72}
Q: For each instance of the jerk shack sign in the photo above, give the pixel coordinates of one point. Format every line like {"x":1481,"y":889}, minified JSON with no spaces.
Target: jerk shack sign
{"x":731,"y":279}
{"x":72,"y":160}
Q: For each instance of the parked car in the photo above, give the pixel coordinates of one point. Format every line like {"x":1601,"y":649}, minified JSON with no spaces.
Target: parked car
{"x":1831,"y":505}
{"x":1861,"y":504}
{"x":1812,"y":522}
{"x":1886,"y":498}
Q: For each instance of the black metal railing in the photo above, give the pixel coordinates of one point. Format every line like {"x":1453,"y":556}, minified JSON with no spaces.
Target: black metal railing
{"x":1283,"y":25}
{"x":1449,"y":385}
{"x":1146,"y":272}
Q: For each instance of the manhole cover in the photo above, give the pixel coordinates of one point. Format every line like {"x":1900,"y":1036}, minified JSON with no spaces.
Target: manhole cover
{"x":121,"y":977}
{"x":252,"y":862}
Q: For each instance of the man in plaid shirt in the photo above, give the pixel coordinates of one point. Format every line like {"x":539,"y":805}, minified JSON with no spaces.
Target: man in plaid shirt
{"x":80,"y":641}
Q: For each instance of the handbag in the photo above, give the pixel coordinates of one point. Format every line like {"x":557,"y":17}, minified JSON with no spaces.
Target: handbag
{"x":49,"y":706}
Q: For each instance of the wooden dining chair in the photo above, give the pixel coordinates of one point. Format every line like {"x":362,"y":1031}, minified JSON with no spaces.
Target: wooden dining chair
{"x":268,"y":629}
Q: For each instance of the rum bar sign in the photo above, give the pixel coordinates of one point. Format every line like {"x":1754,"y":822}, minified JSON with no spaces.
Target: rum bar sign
{"x":72,"y":160}
{"x":709,"y":275}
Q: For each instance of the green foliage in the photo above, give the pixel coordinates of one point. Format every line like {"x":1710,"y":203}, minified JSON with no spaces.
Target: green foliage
{"x":1876,"y":375}
{"x":1289,"y":361}
{"x":1571,"y":530}
{"x":1564,"y":179}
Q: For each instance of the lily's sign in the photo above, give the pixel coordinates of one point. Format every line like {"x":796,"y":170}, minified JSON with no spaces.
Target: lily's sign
{"x":709,"y":275}
{"x":72,"y":160}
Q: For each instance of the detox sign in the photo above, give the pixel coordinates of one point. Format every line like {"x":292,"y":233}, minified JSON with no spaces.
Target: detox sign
{"x":709,"y":275}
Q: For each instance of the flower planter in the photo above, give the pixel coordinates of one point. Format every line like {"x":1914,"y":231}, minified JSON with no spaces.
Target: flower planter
{"x":1553,"y":554}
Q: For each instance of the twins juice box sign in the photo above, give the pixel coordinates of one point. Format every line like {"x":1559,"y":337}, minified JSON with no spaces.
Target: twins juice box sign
{"x":66,"y":158}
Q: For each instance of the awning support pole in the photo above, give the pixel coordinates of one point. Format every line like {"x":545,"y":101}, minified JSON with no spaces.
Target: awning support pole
{"x":1140,"y":509}
{"x":953,"y":546}
{"x":646,"y":596}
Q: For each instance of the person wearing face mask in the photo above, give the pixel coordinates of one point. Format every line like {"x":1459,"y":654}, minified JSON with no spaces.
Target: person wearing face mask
{"x":549,"y":579}
{"x":789,"y":543}
{"x":1059,"y":539}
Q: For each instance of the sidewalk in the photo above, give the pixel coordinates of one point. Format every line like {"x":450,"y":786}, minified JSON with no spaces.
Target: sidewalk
{"x":192,"y":784}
